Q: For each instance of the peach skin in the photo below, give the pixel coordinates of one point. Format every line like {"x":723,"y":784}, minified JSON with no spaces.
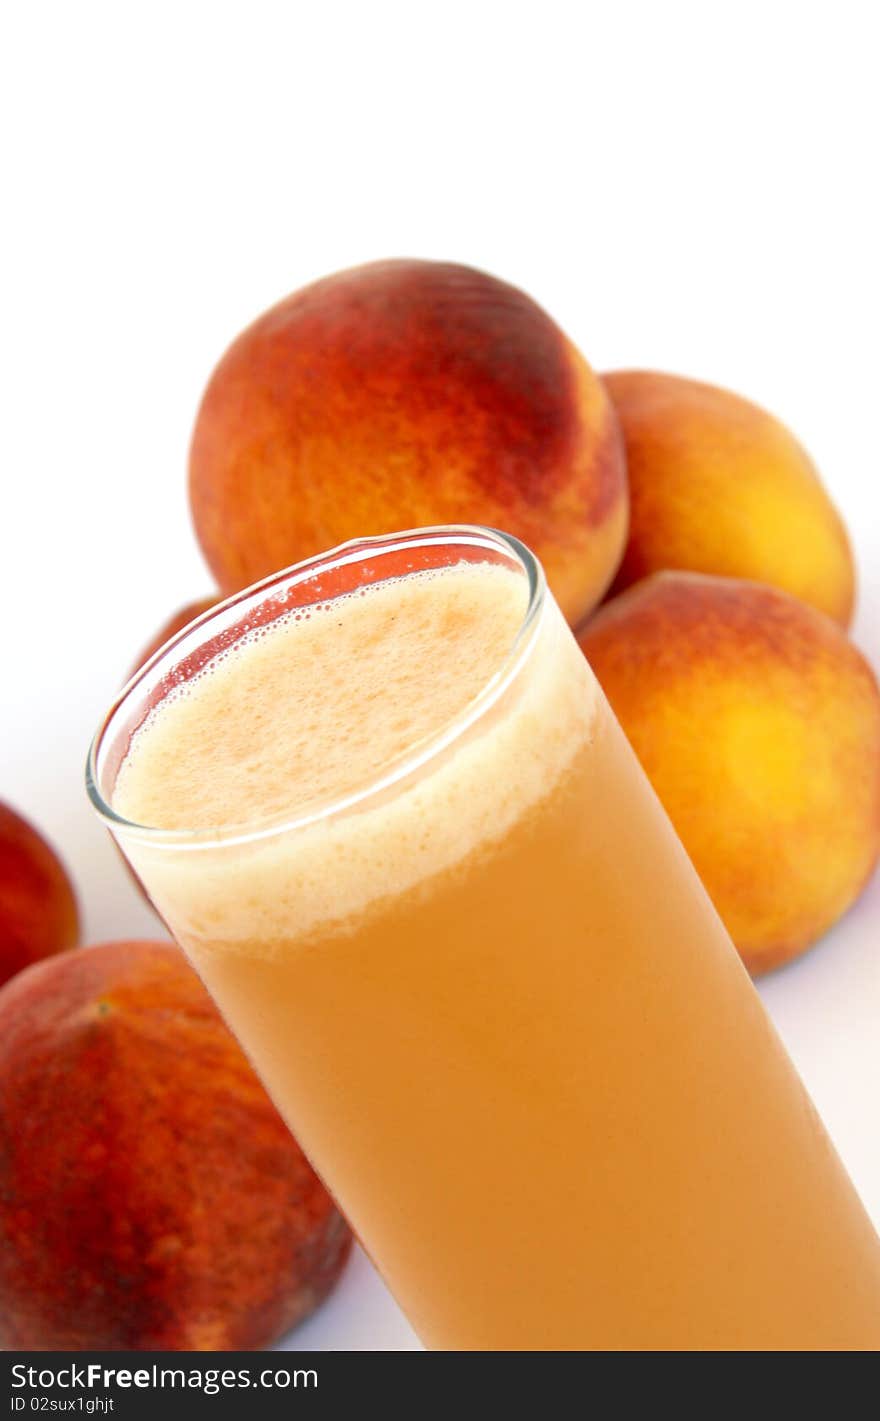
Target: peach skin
{"x":758,"y":724}
{"x":400,"y":395}
{"x":150,"y":1194}
{"x":38,"y":911}
{"x":718,"y":485}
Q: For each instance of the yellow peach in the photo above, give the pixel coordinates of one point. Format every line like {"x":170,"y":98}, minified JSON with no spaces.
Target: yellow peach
{"x":718,"y":485}
{"x":758,"y":723}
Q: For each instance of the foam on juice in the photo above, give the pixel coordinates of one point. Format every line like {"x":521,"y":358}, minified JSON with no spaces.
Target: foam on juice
{"x":324,"y":703}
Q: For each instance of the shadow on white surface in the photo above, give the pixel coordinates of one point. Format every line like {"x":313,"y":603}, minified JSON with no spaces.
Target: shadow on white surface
{"x":359,"y":1316}
{"x":826,"y":1007}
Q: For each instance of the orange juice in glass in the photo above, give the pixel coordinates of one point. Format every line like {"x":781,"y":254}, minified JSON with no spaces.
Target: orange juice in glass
{"x":382,"y":804}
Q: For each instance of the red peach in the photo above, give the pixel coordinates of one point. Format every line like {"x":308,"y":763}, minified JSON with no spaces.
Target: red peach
{"x":38,"y":912}
{"x":150,"y":1195}
{"x":399,"y":395}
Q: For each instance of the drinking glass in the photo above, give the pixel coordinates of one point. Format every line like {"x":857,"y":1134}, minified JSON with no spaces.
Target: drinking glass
{"x":489,"y":994}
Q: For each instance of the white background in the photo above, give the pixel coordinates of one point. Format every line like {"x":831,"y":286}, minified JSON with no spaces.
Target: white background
{"x":692,"y":187}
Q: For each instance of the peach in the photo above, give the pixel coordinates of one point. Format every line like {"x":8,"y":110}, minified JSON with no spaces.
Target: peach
{"x":38,"y":912}
{"x":718,"y":485}
{"x":758,"y":724}
{"x":403,"y":394}
{"x":150,"y":1194}
{"x":171,"y":627}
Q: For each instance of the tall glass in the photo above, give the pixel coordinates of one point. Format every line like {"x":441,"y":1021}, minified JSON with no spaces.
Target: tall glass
{"x":515,"y":1039}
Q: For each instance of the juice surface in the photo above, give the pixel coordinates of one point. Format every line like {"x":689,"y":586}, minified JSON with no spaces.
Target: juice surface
{"x":323,"y":700}
{"x":492,"y":999}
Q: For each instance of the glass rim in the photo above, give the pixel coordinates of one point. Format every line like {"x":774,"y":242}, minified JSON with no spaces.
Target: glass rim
{"x":416,"y":758}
